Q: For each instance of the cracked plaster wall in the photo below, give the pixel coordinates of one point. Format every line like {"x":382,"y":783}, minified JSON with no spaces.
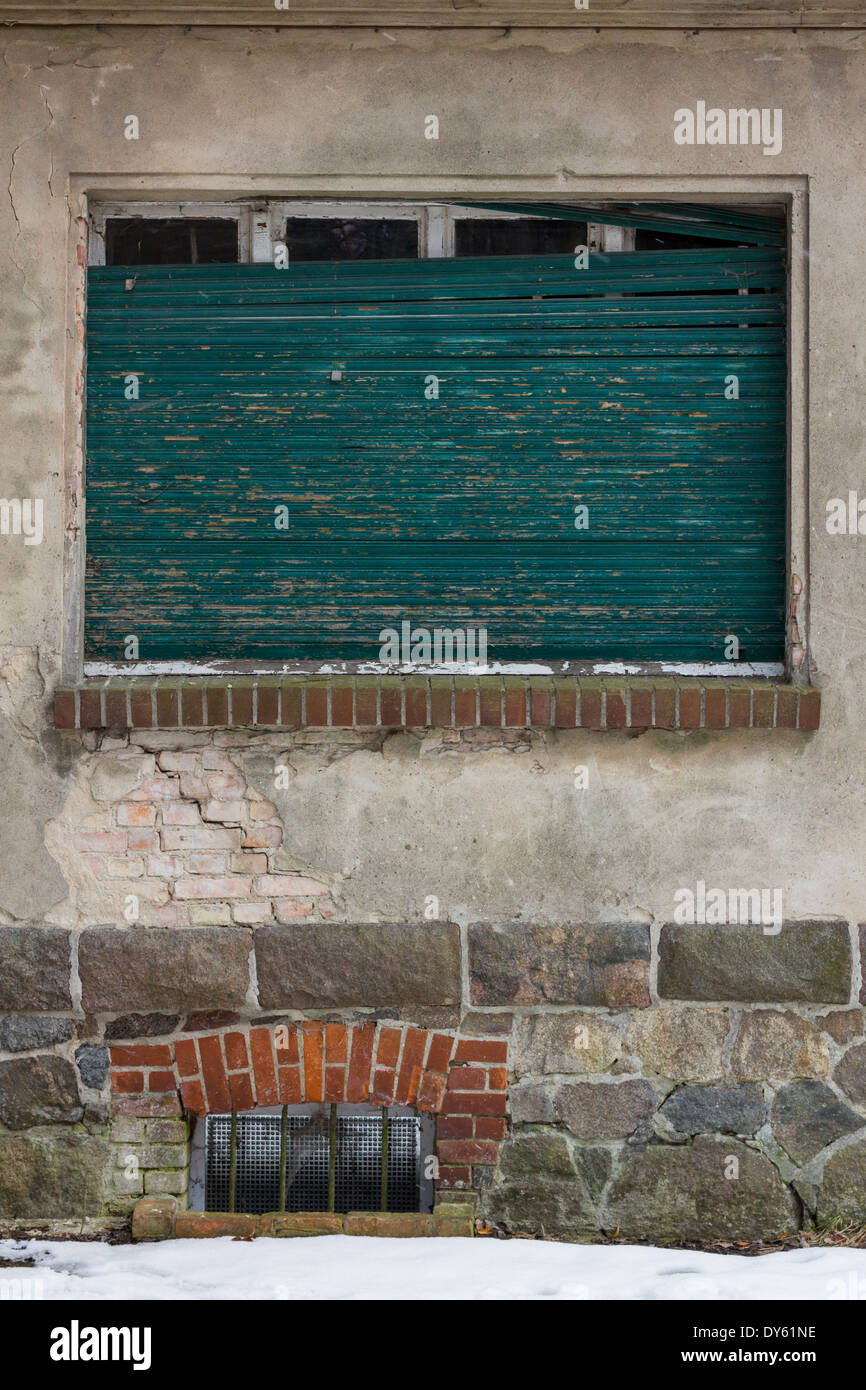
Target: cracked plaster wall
{"x":498,"y":830}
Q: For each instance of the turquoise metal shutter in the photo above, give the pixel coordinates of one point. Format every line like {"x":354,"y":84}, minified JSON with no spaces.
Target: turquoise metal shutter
{"x":557,"y":388}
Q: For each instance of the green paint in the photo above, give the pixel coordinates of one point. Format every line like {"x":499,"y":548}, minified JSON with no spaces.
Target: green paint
{"x":602,"y":388}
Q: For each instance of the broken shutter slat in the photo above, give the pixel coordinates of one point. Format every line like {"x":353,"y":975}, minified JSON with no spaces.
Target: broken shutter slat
{"x":693,"y":219}
{"x":305,"y":388}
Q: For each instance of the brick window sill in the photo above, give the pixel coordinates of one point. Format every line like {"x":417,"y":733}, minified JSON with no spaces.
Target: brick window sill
{"x":450,"y":702}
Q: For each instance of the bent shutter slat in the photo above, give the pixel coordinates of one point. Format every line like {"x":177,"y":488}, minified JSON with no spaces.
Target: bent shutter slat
{"x":557,"y":387}
{"x":683,"y":219}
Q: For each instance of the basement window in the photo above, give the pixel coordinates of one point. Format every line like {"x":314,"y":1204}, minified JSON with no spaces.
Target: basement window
{"x":296,"y":1158}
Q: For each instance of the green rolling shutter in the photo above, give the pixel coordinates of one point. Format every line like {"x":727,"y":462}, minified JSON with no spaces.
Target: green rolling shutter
{"x":557,"y":387}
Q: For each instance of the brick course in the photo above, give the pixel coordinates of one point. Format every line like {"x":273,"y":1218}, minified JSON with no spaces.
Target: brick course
{"x":482,"y":701}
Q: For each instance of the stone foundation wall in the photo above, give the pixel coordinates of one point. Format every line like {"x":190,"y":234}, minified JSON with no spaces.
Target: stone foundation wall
{"x":665,"y":1080}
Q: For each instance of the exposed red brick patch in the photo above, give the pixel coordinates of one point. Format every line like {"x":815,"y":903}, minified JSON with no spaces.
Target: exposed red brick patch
{"x":254,"y":1065}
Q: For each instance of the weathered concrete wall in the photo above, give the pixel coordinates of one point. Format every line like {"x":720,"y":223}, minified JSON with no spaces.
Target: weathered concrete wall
{"x":493,"y":827}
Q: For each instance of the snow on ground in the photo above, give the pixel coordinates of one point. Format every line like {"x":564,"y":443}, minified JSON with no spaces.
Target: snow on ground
{"x":363,"y":1267}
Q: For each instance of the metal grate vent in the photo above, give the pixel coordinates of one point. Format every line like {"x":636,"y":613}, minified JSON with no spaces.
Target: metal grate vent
{"x":348,"y":1141}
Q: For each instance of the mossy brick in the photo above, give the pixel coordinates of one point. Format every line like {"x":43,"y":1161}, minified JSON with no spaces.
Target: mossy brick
{"x":490,"y":702}
{"x":159,"y":1180}
{"x":615,"y":712}
{"x":763,"y":706}
{"x":242,"y":703}
{"x":167,"y":1131}
{"x":286,"y":1224}
{"x":125,"y":1130}
{"x":192,"y":704}
{"x":154,"y":1218}
{"x":316,"y":704}
{"x":366,"y":701}
{"x":126,"y":1183}
{"x":665,"y":695}
{"x":416,"y":703}
{"x":116,"y":710}
{"x":565,"y":706}
{"x":342,"y":702}
{"x":465,"y":702}
{"x":787,"y":699}
{"x":690,"y":705}
{"x":740,"y":706}
{"x":267,"y":703}
{"x":641,"y":698}
{"x":456,"y":1219}
{"x":217,"y":703}
{"x":540,"y":703}
{"x":391,"y":701}
{"x":162,"y":1155}
{"x":441,"y":693}
{"x":396,"y":1224}
{"x":199,"y":1225}
{"x":291,"y":696}
{"x":516,"y":707}
{"x":167,"y":705}
{"x":590,"y":704}
{"x":90,"y":707}
{"x":715,"y":706}
{"x":64,"y":709}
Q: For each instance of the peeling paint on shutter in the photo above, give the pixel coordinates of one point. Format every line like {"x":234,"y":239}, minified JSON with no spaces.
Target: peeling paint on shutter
{"x":305,"y":388}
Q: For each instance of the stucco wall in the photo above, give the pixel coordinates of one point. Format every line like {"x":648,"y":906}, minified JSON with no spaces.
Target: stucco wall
{"x":493,"y":827}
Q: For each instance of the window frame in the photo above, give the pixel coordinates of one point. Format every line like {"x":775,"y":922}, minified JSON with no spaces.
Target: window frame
{"x":182,"y":211}
{"x":261,"y":223}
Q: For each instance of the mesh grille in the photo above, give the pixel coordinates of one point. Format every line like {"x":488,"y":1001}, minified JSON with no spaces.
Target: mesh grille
{"x":357,"y":1179}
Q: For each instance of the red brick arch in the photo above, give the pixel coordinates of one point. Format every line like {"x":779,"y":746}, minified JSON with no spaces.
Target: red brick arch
{"x":463,"y":1081}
